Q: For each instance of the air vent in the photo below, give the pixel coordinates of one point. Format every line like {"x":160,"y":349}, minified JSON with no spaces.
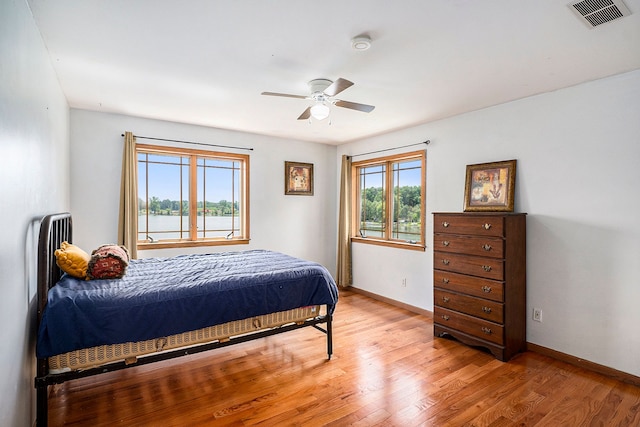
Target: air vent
{"x":598,"y":12}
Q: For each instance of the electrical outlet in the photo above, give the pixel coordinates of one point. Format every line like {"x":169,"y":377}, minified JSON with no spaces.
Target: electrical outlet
{"x":537,"y":314}
{"x":404,"y":282}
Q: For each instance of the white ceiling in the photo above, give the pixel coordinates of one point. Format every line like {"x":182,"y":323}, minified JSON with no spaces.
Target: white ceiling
{"x":206,"y":62}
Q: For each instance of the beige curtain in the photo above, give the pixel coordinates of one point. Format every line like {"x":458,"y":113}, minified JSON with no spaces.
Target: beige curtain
{"x":344,"y":277}
{"x":128,"y":218}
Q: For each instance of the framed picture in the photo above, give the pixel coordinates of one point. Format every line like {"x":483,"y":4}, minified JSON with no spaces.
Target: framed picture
{"x":298,"y":178}
{"x":490,"y":186}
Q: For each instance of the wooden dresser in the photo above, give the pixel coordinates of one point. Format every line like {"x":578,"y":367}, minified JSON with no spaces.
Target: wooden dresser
{"x":479,"y":280}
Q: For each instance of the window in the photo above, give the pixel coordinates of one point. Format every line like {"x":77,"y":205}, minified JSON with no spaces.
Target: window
{"x":389,"y":200}
{"x":191,"y":197}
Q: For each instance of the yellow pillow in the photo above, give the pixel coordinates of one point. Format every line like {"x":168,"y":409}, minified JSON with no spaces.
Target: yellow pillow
{"x":72,"y":260}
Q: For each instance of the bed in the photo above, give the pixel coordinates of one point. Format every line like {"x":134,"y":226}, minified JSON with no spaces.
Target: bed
{"x":165,"y":308}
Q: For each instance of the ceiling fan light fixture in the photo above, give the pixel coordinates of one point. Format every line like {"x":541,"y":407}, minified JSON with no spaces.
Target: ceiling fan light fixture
{"x":320,"y":111}
{"x":322,"y":93}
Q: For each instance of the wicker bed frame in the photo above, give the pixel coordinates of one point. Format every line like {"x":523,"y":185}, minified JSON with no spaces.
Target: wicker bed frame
{"x":57,"y":228}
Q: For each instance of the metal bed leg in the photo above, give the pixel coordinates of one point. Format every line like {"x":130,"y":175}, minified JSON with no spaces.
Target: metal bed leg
{"x":42,"y":405}
{"x":329,"y":337}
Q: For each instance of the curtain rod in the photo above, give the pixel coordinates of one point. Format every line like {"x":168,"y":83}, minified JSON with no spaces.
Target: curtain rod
{"x":427,"y":142}
{"x":191,"y":142}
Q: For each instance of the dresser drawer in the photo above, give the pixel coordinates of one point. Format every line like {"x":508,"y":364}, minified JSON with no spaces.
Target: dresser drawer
{"x":486,"y":309}
{"x":482,"y":225}
{"x":476,"y":286}
{"x":471,"y":245}
{"x":479,"y":328}
{"x":490,"y":268}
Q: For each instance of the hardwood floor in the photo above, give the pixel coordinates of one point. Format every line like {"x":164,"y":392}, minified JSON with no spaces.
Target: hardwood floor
{"x":387,"y":369}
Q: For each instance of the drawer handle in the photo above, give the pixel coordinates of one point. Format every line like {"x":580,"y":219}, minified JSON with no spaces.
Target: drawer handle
{"x":486,"y":309}
{"x":445,"y":317}
{"x":445,"y":299}
{"x":445,"y":261}
{"x":486,"y":268}
{"x":445,"y":224}
{"x":486,"y":226}
{"x":486,"y":289}
{"x":445,"y":243}
{"x":445,"y":280}
{"x":487,"y":247}
{"x":486,"y":330}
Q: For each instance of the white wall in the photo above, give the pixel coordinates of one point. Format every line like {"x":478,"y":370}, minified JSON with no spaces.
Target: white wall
{"x":34,"y":180}
{"x":578,"y":178}
{"x":302,"y":226}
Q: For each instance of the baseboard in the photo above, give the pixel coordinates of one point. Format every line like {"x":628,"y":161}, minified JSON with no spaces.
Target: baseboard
{"x":563,"y":357}
{"x":395,"y":303}
{"x":585,"y":364}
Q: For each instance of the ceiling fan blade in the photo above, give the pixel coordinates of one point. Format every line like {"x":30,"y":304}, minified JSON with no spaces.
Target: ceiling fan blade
{"x":337,"y":87}
{"x":354,"y":106}
{"x":305,"y":114}
{"x":286,"y":95}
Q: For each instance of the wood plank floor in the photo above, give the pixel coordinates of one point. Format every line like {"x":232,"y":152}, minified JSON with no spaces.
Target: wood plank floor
{"x":387,"y":370}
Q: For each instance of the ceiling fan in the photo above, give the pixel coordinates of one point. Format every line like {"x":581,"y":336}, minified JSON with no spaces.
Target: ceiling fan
{"x":323,"y":92}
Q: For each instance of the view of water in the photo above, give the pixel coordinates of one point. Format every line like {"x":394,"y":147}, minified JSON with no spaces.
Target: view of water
{"x":168,"y":226}
{"x":405,"y":231}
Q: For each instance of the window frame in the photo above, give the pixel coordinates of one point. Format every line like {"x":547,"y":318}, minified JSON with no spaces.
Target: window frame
{"x":194,"y":155}
{"x":387,"y":162}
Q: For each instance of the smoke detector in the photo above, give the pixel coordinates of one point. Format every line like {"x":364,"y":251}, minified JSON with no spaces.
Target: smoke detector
{"x":598,"y":12}
{"x":361,"y":43}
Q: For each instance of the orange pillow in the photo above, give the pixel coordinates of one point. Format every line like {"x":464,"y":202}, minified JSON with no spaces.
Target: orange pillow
{"x":72,"y":260}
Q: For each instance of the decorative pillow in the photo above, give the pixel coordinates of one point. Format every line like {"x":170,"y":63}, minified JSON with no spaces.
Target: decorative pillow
{"x":108,"y":262}
{"x":72,"y":260}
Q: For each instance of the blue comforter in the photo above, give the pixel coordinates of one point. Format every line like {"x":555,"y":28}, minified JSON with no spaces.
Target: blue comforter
{"x":165,"y":296}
